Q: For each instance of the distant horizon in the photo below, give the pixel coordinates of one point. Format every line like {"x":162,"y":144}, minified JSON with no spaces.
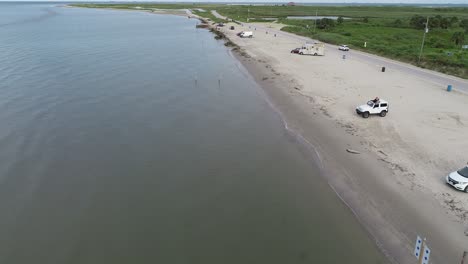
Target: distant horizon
{"x":395,"y":2}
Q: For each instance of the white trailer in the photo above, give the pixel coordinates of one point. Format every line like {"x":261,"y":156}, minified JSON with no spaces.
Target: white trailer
{"x":315,"y":49}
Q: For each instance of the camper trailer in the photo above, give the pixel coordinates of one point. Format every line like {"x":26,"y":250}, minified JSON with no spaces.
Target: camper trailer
{"x":315,"y":49}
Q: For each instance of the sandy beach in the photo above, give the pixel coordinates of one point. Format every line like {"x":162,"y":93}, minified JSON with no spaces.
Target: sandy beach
{"x":396,"y":184}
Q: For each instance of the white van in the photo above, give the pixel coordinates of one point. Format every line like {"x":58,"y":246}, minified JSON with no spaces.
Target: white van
{"x":246,"y":34}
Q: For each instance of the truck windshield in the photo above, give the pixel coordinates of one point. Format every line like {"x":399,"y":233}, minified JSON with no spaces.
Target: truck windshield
{"x":370,"y":103}
{"x":464,"y":172}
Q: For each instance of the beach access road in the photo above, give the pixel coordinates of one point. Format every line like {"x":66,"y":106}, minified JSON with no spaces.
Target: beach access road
{"x":218,"y":15}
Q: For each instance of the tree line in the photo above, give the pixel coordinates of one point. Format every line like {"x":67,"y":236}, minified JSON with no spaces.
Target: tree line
{"x":458,"y":37}
{"x":419,"y":22}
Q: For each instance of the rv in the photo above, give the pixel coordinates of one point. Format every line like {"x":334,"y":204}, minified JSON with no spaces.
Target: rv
{"x":315,"y":49}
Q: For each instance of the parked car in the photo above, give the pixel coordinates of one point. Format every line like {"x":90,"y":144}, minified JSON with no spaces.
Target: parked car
{"x":343,"y":48}
{"x":296,"y":50}
{"x":458,"y":179}
{"x":373,"y":107}
{"x":232,"y":27}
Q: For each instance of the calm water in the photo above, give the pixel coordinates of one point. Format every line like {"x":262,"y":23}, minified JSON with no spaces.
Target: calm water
{"x":127,"y":137}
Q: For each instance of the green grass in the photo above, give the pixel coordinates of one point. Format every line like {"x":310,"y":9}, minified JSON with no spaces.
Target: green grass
{"x":383,"y":36}
{"x":241,"y":12}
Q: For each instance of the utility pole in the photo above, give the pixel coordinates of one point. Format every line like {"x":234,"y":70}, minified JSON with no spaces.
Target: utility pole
{"x":315,"y":23}
{"x":424,"y":38}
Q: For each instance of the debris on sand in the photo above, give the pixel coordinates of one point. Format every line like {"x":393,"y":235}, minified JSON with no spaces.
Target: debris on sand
{"x":353,"y":151}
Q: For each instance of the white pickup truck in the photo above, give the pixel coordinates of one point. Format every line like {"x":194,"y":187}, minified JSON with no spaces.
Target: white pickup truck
{"x":373,"y":107}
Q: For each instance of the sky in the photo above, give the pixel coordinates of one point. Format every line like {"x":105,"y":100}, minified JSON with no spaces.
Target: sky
{"x":284,"y":1}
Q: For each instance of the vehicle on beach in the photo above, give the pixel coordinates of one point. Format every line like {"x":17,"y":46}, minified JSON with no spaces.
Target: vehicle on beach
{"x":246,"y":34}
{"x":458,"y":179}
{"x":315,"y":49}
{"x":373,"y":107}
{"x":343,"y":48}
{"x":232,"y":27}
{"x":296,"y":50}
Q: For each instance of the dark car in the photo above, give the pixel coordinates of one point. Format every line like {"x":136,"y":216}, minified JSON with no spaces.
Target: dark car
{"x":296,"y":50}
{"x":232,"y":27}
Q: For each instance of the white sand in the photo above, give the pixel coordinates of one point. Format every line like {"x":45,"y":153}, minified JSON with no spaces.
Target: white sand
{"x":396,"y":185}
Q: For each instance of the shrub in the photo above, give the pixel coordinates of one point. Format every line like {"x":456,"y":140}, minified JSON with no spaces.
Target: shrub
{"x":398,"y":23}
{"x":434,"y":22}
{"x":418,"y":22}
{"x":440,"y":44}
{"x":340,"y":20}
{"x":445,"y":23}
{"x":464,"y":25}
{"x":458,"y":38}
{"x":325,"y":23}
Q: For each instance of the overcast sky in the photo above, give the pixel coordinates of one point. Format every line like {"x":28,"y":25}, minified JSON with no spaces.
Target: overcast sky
{"x":297,"y":1}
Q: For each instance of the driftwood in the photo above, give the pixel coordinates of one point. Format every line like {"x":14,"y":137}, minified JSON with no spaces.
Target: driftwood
{"x":353,"y":151}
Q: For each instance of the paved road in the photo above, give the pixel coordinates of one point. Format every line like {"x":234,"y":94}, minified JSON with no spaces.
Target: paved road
{"x":438,"y":78}
{"x":218,"y":15}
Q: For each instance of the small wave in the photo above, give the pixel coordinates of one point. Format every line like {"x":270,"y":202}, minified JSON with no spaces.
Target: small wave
{"x":313,"y":149}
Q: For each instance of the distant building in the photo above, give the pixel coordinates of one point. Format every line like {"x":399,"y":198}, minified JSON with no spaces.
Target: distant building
{"x":291,"y":4}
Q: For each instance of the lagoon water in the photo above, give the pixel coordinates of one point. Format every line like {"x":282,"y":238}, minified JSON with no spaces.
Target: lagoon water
{"x":127,"y":137}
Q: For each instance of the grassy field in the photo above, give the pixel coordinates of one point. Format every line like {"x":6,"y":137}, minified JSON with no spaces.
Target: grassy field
{"x":387,"y":30}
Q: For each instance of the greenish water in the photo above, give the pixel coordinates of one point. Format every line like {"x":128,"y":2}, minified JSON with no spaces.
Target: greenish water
{"x":128,"y":137}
